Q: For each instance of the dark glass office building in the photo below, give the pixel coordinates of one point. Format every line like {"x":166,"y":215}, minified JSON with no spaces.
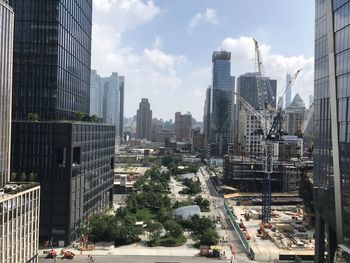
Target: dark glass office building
{"x":52,"y":53}
{"x":247,"y":88}
{"x":332,"y":127}
{"x":75,"y":163}
{"x":221,"y":104}
{"x":51,"y":78}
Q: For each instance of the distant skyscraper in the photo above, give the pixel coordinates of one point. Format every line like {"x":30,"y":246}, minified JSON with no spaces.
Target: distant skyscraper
{"x":144,"y":121}
{"x":6,"y":47}
{"x":121,"y":105}
{"x":247,"y":88}
{"x":111,"y":100}
{"x":51,"y":82}
{"x":331,"y":126}
{"x":280,"y":102}
{"x":183,"y":127}
{"x":288,"y":90}
{"x":294,"y":115}
{"x":311,"y":100}
{"x":221,"y":104}
{"x":96,"y":95}
{"x":206,"y":117}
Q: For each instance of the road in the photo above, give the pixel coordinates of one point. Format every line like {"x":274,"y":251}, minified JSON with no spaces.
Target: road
{"x":217,"y":208}
{"x":143,"y":259}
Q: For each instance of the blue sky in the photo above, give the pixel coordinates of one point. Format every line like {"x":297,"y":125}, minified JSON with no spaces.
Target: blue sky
{"x":164,"y":47}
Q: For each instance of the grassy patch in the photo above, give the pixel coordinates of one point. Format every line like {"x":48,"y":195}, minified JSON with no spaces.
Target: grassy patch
{"x":169,"y":241}
{"x":145,"y":214}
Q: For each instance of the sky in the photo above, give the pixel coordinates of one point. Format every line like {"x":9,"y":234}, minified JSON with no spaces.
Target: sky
{"x":164,"y":47}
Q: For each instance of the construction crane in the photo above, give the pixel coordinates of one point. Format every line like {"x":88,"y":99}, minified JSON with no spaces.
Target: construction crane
{"x":274,"y":133}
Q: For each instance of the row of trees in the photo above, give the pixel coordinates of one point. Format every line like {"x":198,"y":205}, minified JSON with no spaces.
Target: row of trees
{"x":172,"y":162}
{"x":23,"y":177}
{"x":203,"y":204}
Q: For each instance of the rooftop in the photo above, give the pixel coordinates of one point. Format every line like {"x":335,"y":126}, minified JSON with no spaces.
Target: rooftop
{"x":13,"y":188}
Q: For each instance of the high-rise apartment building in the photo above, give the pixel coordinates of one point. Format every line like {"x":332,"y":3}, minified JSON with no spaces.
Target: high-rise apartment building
{"x":51,"y":88}
{"x":107,"y":99}
{"x":183,"y":127}
{"x":206,"y":119}
{"x":19,"y":201}
{"x":221,"y":99}
{"x":144,"y":120}
{"x":288,"y":90}
{"x":331,"y":126}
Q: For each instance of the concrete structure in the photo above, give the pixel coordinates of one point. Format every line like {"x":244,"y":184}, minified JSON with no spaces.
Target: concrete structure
{"x":288,"y":90}
{"x":206,"y":120}
{"x":157,"y":128}
{"x":294,"y":116}
{"x":19,"y":217}
{"x":6,"y":48}
{"x":331,"y":120}
{"x":144,"y":120}
{"x":221,"y":99}
{"x":183,"y":127}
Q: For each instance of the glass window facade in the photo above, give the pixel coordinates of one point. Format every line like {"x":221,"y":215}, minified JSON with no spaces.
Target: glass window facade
{"x":52,"y":53}
{"x":221,"y":107}
{"x":324,"y":183}
{"x":6,"y":46}
{"x":73,"y":164}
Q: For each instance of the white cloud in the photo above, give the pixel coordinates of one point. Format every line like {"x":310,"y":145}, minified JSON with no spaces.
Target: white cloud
{"x":151,"y":73}
{"x":276,"y":66}
{"x":207,"y":17}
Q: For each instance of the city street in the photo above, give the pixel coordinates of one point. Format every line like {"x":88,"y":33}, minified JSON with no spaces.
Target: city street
{"x":144,"y":259}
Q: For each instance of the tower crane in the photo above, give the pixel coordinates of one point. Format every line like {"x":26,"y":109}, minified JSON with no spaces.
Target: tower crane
{"x":274,"y":133}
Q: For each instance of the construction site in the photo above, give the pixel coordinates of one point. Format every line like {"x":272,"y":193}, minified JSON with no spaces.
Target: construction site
{"x":269,"y":173}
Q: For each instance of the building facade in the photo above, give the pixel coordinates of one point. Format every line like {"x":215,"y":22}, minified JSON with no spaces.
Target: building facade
{"x":144,"y":120}
{"x":121,"y":106}
{"x":183,"y":127}
{"x":56,"y":83}
{"x":51,"y":81}
{"x":247,"y":88}
{"x":74,"y":162}
{"x":19,"y":228}
{"x":96,"y":95}
{"x":221,"y":99}
{"x":331,"y":126}
{"x":6,"y":50}
{"x":288,"y":90}
{"x":294,"y":116}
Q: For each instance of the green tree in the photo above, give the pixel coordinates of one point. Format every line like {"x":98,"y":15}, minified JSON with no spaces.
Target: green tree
{"x":155,"y":230}
{"x":79,"y":116}
{"x":13,"y":176}
{"x":33,"y":117}
{"x":23,"y":177}
{"x":202,"y":203}
{"x":94,"y":118}
{"x":103,"y":228}
{"x":209,"y":237}
{"x":173,"y":228}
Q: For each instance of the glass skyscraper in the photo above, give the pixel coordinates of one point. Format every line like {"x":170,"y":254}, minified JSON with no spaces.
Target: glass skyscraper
{"x":52,"y":53}
{"x":332,"y":126}
{"x":222,"y":88}
{"x":74,"y":159}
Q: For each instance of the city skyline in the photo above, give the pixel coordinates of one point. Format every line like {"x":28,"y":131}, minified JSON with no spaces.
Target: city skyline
{"x":163,"y":49}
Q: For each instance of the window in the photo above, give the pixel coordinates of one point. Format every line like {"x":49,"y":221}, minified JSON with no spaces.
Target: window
{"x":76,"y":155}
